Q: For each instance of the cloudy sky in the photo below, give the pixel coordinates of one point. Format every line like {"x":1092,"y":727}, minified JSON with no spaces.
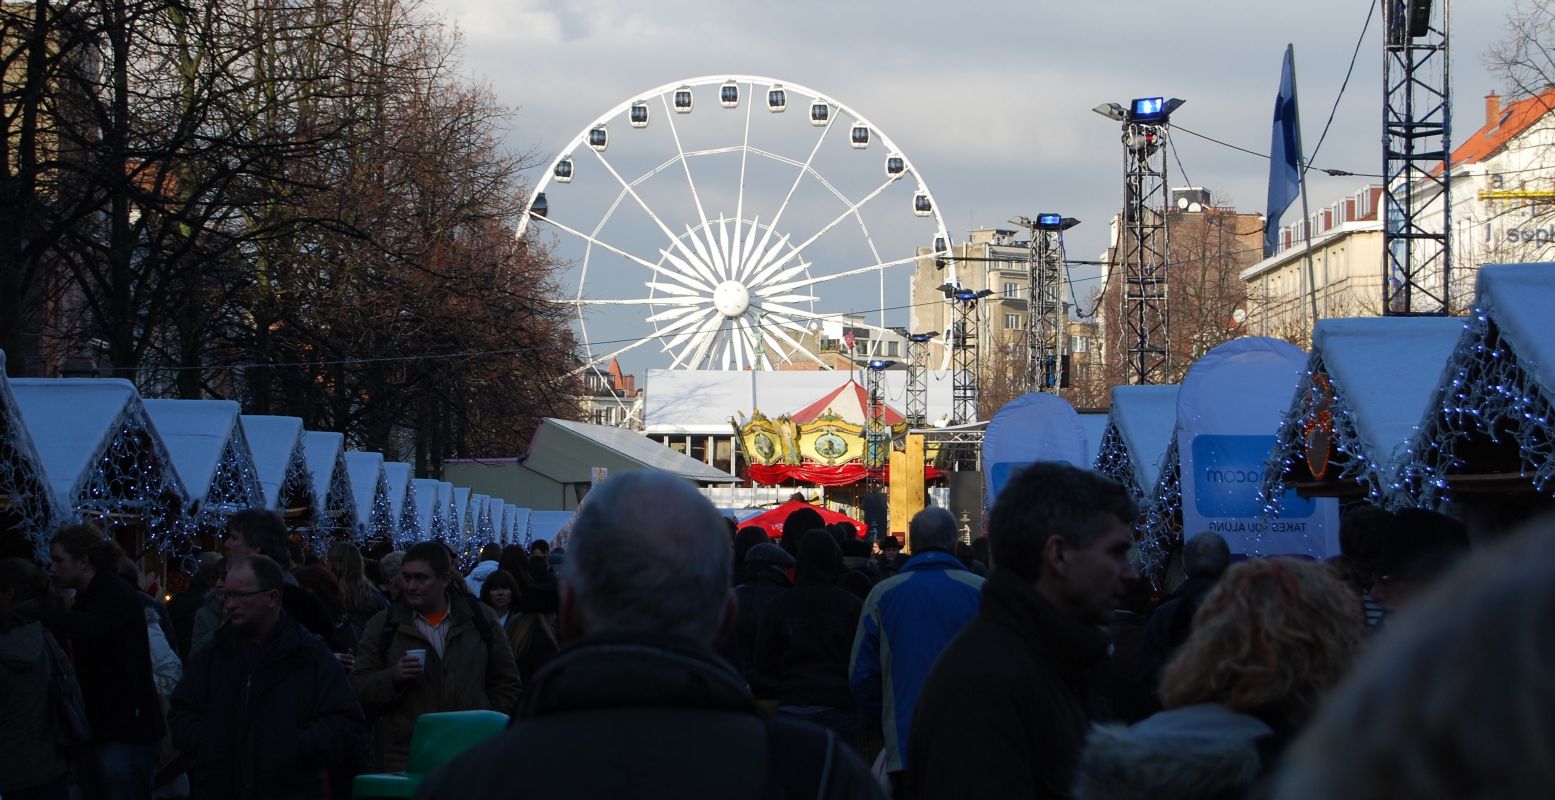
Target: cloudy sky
{"x":989,"y":100}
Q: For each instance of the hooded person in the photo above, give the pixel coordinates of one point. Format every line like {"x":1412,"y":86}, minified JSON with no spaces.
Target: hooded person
{"x":805,"y":640}
{"x":766,"y":578}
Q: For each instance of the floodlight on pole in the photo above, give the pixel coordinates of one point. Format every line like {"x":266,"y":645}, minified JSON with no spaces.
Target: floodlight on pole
{"x":917,"y":405}
{"x":1045,"y":313}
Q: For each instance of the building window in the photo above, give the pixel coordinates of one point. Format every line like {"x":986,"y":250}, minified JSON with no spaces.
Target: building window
{"x":890,"y":349}
{"x":1011,"y":290}
{"x":1012,"y":322}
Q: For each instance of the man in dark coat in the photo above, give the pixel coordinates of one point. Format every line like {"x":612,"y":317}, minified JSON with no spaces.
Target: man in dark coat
{"x":765,"y":579}
{"x":265,"y":710}
{"x":188,"y":602}
{"x":805,"y":641}
{"x":1005,"y":710}
{"x":637,"y":704}
{"x":106,"y":633}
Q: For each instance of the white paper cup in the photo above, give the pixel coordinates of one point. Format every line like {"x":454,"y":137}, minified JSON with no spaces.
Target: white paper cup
{"x":420,"y":655}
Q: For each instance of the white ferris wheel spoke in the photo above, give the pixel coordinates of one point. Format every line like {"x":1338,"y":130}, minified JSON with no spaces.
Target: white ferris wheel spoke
{"x":641,"y":301}
{"x":669,"y":116}
{"x":852,"y":210}
{"x":747,"y":338}
{"x":683,"y":278}
{"x":706,"y":336}
{"x":674,"y":289}
{"x":745,"y":143}
{"x":692,"y":268}
{"x":793,"y":345}
{"x":778,"y":217}
{"x":668,"y":234}
{"x":604,"y":359}
{"x":750,"y":242}
{"x":685,"y":334}
{"x":783,"y":287}
{"x":799,"y":312}
{"x":672,"y":313}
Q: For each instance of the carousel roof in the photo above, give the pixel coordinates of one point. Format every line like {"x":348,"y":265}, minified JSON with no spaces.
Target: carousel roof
{"x":1386,"y":369}
{"x":849,"y":401}
{"x":1145,"y":417}
{"x":272,"y":440}
{"x":197,"y":434}
{"x":71,"y":422}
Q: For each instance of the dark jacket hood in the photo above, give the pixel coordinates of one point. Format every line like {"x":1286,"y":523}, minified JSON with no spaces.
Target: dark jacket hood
{"x":1198,"y":751}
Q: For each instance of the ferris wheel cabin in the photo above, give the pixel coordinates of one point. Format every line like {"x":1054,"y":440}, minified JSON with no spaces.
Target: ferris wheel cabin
{"x":598,"y":138}
{"x":895,"y":165}
{"x":539,"y":207}
{"x":563,"y":170}
{"x":921,"y":204}
{"x":682,"y":100}
{"x":638,"y":115}
{"x":777,"y":99}
{"x":859,"y":136}
{"x":729,"y":94}
{"x":820,"y":113}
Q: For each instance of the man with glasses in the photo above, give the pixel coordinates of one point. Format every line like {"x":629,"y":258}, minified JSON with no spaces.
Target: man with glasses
{"x":265,"y":710}
{"x":256,"y":531}
{"x":433,"y":650}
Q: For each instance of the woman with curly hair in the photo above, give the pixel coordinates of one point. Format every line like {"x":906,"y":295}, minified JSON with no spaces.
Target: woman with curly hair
{"x":1267,"y":644}
{"x":357,"y":594}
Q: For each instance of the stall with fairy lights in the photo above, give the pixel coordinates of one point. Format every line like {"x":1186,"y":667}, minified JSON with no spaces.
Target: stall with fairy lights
{"x":1485,"y":442}
{"x":103,"y":462}
{"x":1365,"y":389}
{"x":334,"y":516}
{"x":213,"y":460}
{"x":27,"y":506}
{"x":459,"y":528}
{"x":402,"y":503}
{"x":424,"y":493}
{"x":282,"y":464}
{"x":1094,"y":423}
{"x":443,"y":524}
{"x":375,"y":524}
{"x":518,"y":524}
{"x":1137,"y":436}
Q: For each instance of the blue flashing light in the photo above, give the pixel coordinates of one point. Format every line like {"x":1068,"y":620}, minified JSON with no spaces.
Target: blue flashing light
{"x":1145,"y":107}
{"x":1053,"y":220}
{"x":966,"y":294}
{"x":877,"y":364}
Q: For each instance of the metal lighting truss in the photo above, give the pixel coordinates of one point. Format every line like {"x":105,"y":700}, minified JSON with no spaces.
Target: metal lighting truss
{"x":1416,"y":158}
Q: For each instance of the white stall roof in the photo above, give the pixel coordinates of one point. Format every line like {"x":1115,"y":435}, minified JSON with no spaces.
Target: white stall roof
{"x":1145,"y":417}
{"x":1094,"y":426}
{"x":546,"y":524}
{"x":461,"y":510}
{"x":71,"y":422}
{"x":703,"y":401}
{"x":426,"y":504}
{"x":366,"y":470}
{"x":325,"y":452}
{"x":42,"y":511}
{"x":517,"y":523}
{"x":565,"y":451}
{"x":197,"y":434}
{"x":398,"y":474}
{"x":273,"y":441}
{"x":1517,"y":299}
{"x":1386,"y":369}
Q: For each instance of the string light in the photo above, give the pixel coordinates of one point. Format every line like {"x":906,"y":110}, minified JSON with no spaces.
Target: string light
{"x":1162,"y":523}
{"x":131,"y":483}
{"x":31,"y":503}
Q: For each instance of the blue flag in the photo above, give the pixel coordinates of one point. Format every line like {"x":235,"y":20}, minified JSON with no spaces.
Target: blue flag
{"x":1284,"y":154}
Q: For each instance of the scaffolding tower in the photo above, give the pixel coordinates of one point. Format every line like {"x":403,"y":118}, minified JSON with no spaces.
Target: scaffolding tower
{"x":1143,"y":238}
{"x":963,"y":353}
{"x":1045,"y":315}
{"x":917,"y":405}
{"x":1416,"y":158}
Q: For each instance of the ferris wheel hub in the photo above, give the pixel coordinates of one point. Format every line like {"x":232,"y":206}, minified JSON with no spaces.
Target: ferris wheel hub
{"x":731,"y":298}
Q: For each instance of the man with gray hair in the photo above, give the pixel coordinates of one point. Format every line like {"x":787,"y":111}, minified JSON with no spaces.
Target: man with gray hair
{"x":906,"y":621}
{"x":638,"y":704}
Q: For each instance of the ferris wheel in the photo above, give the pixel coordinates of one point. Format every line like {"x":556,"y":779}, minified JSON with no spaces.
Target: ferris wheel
{"x":723,"y":223}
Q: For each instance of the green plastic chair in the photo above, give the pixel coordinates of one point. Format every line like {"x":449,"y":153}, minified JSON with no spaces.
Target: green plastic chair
{"x":437,"y":738}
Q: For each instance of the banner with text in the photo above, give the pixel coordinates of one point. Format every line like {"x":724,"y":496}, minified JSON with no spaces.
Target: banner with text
{"x":1228,"y":409}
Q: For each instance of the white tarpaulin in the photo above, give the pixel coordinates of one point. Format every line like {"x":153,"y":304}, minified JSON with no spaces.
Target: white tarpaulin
{"x":1033,"y":427}
{"x":1228,"y":410}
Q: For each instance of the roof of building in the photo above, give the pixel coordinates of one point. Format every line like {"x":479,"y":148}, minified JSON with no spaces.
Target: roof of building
{"x":198,"y":435}
{"x":325,"y":452}
{"x":567,"y":452}
{"x":366,"y":473}
{"x":72,"y":422}
{"x":1095,"y":424}
{"x":1515,"y":118}
{"x":272,"y":441}
{"x":1145,"y":417}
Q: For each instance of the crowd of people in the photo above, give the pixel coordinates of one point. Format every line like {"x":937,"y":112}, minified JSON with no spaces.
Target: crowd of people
{"x":667,"y":652}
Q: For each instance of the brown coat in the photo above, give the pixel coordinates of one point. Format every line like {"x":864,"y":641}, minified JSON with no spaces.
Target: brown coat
{"x":469,"y":675}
